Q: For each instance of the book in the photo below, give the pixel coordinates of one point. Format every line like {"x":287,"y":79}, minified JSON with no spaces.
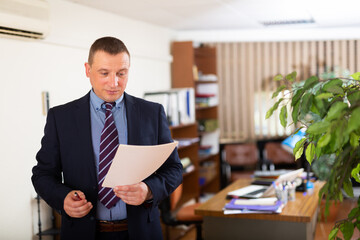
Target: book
{"x":269,"y":208}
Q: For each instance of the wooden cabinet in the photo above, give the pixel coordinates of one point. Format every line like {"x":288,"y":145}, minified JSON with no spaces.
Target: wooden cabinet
{"x":190,"y":68}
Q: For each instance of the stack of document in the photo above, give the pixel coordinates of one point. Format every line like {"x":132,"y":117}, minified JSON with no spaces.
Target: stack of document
{"x":260,"y":205}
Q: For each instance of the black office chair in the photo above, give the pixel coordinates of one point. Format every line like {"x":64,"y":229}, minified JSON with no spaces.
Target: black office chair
{"x":172,"y":215}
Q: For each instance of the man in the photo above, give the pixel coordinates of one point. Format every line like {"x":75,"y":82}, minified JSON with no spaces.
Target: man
{"x":68,"y":174}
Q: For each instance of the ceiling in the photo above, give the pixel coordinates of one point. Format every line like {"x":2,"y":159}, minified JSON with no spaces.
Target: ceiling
{"x":234,"y":14}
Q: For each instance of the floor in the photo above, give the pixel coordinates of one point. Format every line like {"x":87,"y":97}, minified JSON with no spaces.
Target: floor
{"x":322,"y":229}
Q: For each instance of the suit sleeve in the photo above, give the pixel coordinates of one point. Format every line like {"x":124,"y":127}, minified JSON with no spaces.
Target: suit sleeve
{"x":47,"y":177}
{"x":169,"y":176}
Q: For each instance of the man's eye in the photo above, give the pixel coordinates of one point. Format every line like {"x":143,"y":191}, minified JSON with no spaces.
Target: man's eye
{"x":121,"y":74}
{"x":104,"y":74}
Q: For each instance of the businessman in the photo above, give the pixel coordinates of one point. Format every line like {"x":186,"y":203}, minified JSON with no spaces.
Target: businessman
{"x":80,"y":140}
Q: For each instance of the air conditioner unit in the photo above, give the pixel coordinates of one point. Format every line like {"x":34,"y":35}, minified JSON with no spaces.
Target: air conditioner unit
{"x":24,"y":18}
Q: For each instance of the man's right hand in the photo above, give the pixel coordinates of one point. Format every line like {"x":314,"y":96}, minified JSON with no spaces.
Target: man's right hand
{"x":77,"y":206}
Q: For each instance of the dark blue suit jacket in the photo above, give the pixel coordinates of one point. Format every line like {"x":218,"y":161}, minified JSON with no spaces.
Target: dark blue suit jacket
{"x":67,"y":149}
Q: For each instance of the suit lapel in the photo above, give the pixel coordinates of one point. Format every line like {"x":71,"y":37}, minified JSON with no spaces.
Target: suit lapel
{"x":83,"y":124}
{"x":133,"y":118}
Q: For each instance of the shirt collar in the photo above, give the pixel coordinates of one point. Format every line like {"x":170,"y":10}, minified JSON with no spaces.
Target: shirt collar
{"x":97,"y":102}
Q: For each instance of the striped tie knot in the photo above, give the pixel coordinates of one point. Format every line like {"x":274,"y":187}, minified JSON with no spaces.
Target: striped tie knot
{"x":109,"y":143}
{"x":108,"y":106}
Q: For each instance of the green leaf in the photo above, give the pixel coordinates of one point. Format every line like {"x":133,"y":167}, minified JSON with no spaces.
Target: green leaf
{"x":318,"y":127}
{"x":354,"y":212}
{"x":306,"y":103}
{"x":354,"y":122}
{"x":311,"y":81}
{"x":356,"y":76}
{"x":295,"y":112}
{"x":354,"y":97}
{"x":335,"y":110}
{"x":324,"y":96}
{"x":335,"y":89}
{"x":354,"y":140}
{"x":278,"y":77}
{"x":273,"y":108}
{"x":355,"y":173}
{"x":332,"y":82}
{"x":333,"y":233}
{"x":310,"y":152}
{"x":324,"y":140}
{"x":347,"y":186}
{"x":297,"y":97}
{"x":299,"y":148}
{"x":348,"y":230}
{"x":291,"y":77}
{"x":283,"y":116}
{"x":278,"y":90}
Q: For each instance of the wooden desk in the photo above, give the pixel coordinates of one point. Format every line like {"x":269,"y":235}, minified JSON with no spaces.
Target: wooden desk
{"x":297,"y":220}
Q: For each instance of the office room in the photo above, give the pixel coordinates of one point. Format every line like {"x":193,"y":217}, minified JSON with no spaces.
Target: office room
{"x":49,"y":71}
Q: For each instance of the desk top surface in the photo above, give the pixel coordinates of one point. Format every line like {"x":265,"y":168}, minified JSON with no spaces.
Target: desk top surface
{"x":303,"y":209}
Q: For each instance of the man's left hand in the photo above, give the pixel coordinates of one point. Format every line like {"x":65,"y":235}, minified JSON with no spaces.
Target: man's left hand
{"x":134,"y":194}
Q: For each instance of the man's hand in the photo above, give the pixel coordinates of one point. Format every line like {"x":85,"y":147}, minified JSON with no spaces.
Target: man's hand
{"x":76,"y":206}
{"x":134,"y":194}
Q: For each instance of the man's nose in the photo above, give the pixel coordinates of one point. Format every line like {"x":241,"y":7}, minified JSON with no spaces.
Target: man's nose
{"x":114,"y":81}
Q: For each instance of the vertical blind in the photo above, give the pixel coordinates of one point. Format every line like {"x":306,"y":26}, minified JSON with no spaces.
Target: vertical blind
{"x":246,"y":71}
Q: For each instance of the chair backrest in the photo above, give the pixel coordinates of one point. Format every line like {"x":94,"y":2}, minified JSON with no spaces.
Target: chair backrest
{"x":276,"y":154}
{"x":168,"y":205}
{"x":241,"y":154}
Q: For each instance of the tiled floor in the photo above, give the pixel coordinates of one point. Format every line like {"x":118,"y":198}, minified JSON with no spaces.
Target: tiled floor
{"x":322,"y":229}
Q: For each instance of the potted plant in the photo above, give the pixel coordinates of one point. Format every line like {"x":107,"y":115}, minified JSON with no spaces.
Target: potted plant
{"x":329,"y":110}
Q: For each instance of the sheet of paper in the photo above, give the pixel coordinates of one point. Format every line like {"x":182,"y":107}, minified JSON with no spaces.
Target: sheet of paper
{"x":259,"y":201}
{"x":132,"y":164}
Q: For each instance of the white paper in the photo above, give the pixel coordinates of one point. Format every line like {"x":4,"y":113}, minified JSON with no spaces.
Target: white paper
{"x":132,"y":164}
{"x":258,"y":201}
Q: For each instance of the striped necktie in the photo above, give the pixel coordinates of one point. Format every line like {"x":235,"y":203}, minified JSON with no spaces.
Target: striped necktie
{"x":109,"y":143}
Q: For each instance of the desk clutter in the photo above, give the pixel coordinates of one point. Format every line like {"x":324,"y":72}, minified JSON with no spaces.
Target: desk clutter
{"x":260,"y":199}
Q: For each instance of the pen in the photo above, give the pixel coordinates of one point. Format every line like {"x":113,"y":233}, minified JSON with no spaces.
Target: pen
{"x":77,"y":196}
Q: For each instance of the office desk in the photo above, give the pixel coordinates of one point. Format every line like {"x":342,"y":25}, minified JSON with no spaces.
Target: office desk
{"x":297,"y":220}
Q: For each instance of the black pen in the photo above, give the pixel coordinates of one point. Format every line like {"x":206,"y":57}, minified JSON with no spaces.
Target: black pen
{"x":77,"y":196}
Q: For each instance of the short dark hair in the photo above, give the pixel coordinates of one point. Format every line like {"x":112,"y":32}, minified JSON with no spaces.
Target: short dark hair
{"x":109,"y":45}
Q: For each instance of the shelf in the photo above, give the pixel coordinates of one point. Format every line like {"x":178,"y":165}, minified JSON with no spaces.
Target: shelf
{"x":204,"y":158}
{"x":181,"y":126}
{"x":208,"y":182}
{"x":205,"y":108}
{"x":185,"y":57}
{"x":188,"y":146}
{"x":200,"y":82}
{"x":186,"y":174}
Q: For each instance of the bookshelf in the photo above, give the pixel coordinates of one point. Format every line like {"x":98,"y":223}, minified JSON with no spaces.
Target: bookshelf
{"x":196,"y":68}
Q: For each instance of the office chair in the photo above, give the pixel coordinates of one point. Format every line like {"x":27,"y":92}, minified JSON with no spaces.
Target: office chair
{"x":240,"y":160}
{"x":274,"y":153}
{"x":185,"y":215}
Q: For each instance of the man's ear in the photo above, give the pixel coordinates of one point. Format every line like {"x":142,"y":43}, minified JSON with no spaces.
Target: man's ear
{"x":87,"y":69}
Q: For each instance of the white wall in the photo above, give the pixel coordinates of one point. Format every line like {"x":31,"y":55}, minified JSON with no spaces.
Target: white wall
{"x":56,"y":64}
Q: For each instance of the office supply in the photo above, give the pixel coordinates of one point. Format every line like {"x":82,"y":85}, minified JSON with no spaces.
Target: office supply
{"x":178,"y":103}
{"x":132,"y":164}
{"x":260,"y":201}
{"x":256,"y":191}
{"x":266,"y":208}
